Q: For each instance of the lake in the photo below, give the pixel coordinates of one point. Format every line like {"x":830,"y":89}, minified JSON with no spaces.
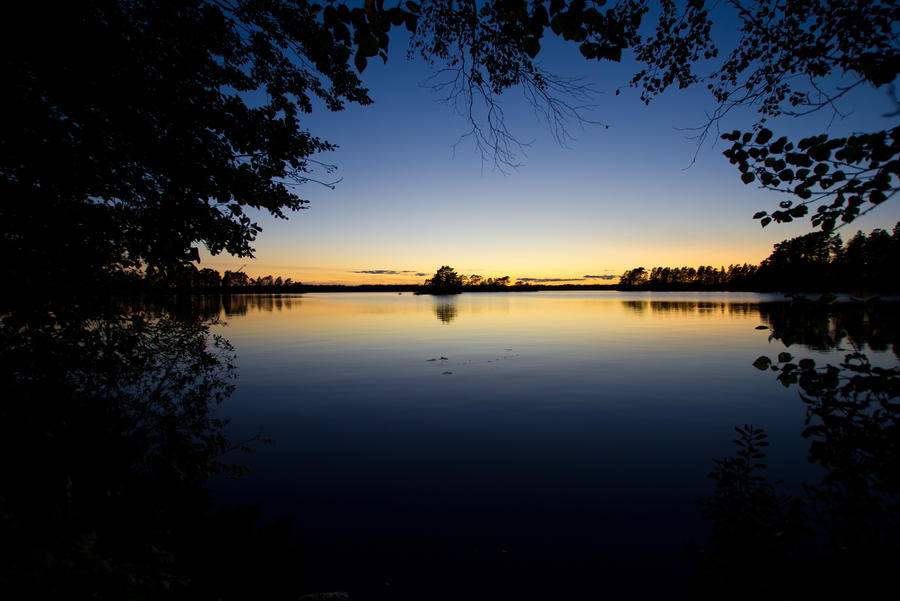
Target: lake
{"x":503,"y":442}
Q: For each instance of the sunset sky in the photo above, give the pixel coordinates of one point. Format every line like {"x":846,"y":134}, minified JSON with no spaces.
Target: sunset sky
{"x":616,"y":197}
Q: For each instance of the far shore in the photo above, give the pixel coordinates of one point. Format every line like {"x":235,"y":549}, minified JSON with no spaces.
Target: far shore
{"x":416,"y":289}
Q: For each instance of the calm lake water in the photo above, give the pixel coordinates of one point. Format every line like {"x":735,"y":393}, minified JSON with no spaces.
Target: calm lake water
{"x":502,"y":441}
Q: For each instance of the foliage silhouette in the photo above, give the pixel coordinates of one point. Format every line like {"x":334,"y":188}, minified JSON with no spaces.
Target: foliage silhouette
{"x":444,"y":281}
{"x":818,"y":261}
{"x":705,"y":277}
{"x":142,"y":129}
{"x":447,"y":281}
{"x":842,"y":537}
{"x":785,"y":61}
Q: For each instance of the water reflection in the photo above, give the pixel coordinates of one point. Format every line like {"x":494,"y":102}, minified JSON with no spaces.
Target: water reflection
{"x":828,"y":326}
{"x":445,"y":310}
{"x":234,"y":305}
{"x":840,"y":537}
{"x":691,"y":307}
{"x":813,"y":325}
{"x":239,"y":304}
{"x":110,"y":412}
{"x":425,"y":422}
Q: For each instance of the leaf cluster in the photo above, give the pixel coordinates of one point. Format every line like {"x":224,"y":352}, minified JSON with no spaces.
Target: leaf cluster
{"x":783,"y":43}
{"x":366,"y":28}
{"x":783,"y":56}
{"x":681,"y":40}
{"x":143,"y":129}
{"x":840,"y":177}
{"x":853,"y":424}
{"x":787,"y":58}
{"x":498,"y":41}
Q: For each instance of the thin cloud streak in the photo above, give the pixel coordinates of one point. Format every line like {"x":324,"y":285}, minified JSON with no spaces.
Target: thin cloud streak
{"x":387,"y":272}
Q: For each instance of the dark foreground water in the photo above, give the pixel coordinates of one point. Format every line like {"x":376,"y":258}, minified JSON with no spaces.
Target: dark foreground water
{"x":503,"y":442}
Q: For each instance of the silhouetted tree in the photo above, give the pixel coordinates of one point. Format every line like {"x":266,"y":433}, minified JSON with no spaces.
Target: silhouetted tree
{"x":135,"y":130}
{"x":819,"y":261}
{"x":235,"y":279}
{"x":444,"y":281}
{"x":633,"y":277}
{"x":209,"y":278}
{"x":803,"y":261}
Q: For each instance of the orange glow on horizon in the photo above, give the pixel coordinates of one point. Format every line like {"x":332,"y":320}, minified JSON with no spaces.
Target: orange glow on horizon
{"x":409,"y":275}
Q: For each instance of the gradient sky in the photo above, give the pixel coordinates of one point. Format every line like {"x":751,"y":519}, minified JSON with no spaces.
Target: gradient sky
{"x":616,"y":197}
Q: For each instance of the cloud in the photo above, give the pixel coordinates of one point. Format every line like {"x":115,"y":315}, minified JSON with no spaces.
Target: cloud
{"x":600,"y":277}
{"x":544,"y":280}
{"x":390,"y":272}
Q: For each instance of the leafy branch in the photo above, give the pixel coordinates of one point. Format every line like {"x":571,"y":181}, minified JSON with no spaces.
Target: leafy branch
{"x":842,"y":177}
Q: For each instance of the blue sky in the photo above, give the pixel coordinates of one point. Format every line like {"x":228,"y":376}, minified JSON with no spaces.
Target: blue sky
{"x":615,"y":197}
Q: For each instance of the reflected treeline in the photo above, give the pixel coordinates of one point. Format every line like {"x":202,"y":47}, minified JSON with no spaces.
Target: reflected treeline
{"x":692,"y":307}
{"x":825,"y":326}
{"x":241,"y":304}
{"x":446,"y":311}
{"x":109,"y":430}
{"x":814,"y":324}
{"x":214,"y":306}
{"x":841,"y":537}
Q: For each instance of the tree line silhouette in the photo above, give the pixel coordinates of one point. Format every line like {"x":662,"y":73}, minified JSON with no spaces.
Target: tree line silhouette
{"x":190,"y":277}
{"x":816,"y":262}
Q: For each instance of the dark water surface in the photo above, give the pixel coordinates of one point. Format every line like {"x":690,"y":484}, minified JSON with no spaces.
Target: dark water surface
{"x":508,"y":442}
